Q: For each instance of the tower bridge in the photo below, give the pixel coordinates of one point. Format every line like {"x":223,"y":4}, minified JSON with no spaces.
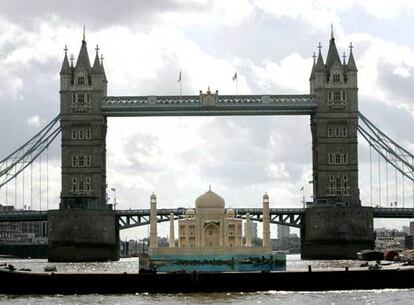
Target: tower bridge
{"x":140,"y":217}
{"x":86,"y":227}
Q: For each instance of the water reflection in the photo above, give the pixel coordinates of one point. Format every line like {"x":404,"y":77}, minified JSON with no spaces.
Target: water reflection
{"x":131,"y":265}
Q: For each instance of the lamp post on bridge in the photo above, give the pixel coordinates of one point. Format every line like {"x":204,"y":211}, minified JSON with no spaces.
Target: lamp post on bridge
{"x":115,"y":203}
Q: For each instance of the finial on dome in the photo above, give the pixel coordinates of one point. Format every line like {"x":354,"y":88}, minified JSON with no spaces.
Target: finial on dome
{"x":209,"y":187}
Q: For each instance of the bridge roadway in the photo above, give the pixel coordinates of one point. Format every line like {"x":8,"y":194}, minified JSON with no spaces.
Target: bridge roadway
{"x":135,"y":218}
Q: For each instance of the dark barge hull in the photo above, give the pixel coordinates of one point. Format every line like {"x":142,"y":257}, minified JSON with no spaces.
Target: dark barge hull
{"x":111,"y":283}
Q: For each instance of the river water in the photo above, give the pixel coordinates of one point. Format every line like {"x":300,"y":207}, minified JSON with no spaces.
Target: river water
{"x":385,"y":296}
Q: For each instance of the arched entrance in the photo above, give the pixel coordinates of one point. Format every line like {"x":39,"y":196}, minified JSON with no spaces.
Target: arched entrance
{"x":211,"y":235}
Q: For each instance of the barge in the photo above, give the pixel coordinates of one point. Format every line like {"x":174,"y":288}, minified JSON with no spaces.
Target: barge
{"x":181,"y":282}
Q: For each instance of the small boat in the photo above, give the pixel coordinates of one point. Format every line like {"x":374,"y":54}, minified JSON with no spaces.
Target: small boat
{"x":391,"y":254}
{"x":370,"y":255}
{"x":50,"y":269}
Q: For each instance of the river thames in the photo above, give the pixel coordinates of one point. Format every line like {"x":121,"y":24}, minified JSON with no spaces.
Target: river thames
{"x":384,"y":296}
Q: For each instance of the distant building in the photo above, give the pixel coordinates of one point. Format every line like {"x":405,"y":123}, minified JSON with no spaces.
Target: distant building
{"x":253,"y":228}
{"x":406,"y":230}
{"x":411,"y":227}
{"x":23,"y":232}
{"x":386,"y":239}
{"x":283,"y":231}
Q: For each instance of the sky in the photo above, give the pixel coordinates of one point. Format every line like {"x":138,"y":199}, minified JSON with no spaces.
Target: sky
{"x":146,"y":43}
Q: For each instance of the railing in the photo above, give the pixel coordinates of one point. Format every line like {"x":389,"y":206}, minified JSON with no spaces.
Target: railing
{"x":208,"y":104}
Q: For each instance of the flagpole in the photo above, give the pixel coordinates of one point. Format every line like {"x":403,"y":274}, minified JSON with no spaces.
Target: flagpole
{"x":181,"y":85}
{"x":236,"y":80}
{"x":303,"y":196}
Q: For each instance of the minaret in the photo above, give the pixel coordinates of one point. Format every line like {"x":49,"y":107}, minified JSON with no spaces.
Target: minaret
{"x":266,"y":221}
{"x":172,"y":237}
{"x":248,"y":226}
{"x":153,"y":222}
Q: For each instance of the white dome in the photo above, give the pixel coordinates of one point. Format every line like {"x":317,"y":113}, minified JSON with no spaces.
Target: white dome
{"x":209,"y":200}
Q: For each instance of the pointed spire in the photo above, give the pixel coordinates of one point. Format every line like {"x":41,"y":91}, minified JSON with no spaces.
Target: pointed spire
{"x":320,"y":66}
{"x":71,"y":60}
{"x":97,"y":67}
{"x":83,"y":57}
{"x":84,"y":33}
{"x":102,"y":66}
{"x":65,"y":65}
{"x":313,"y":66}
{"x":351,"y":61}
{"x":333,"y":55}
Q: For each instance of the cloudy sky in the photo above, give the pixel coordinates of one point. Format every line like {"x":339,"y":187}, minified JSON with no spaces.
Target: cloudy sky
{"x":145,"y":45}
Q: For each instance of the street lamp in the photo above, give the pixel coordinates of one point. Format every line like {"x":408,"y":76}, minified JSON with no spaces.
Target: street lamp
{"x":115,"y":203}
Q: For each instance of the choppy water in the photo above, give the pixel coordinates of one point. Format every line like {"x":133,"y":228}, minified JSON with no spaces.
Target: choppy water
{"x":385,"y":296}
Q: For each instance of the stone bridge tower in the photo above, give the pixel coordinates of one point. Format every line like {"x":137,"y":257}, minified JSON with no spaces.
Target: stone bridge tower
{"x":84,"y":228}
{"x":334,"y":128}
{"x":336,"y":226}
{"x":83,"y":132}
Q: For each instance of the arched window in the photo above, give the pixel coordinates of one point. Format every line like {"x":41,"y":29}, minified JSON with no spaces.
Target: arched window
{"x":81,"y":80}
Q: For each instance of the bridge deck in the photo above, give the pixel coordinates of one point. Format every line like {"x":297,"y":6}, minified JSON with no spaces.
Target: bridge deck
{"x":208,"y":105}
{"x":134,"y":218}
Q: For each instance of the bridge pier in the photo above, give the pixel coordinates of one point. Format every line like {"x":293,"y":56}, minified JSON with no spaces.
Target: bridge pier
{"x":80,"y":235}
{"x":336,"y":232}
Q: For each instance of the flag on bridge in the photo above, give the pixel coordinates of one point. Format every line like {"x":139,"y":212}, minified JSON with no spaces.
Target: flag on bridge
{"x":181,"y":84}
{"x":235,"y":76}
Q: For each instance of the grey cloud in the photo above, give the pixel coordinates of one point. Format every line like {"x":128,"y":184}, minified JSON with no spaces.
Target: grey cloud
{"x":94,"y":13}
{"x":396,"y":122}
{"x":243,"y":151}
{"x":38,"y":96}
{"x":135,"y":150}
{"x":401,"y":88}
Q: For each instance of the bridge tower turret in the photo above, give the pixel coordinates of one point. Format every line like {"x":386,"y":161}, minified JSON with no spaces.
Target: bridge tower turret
{"x":336,"y":226}
{"x":84,"y":228}
{"x":334,"y":129}
{"x":83,"y":132}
